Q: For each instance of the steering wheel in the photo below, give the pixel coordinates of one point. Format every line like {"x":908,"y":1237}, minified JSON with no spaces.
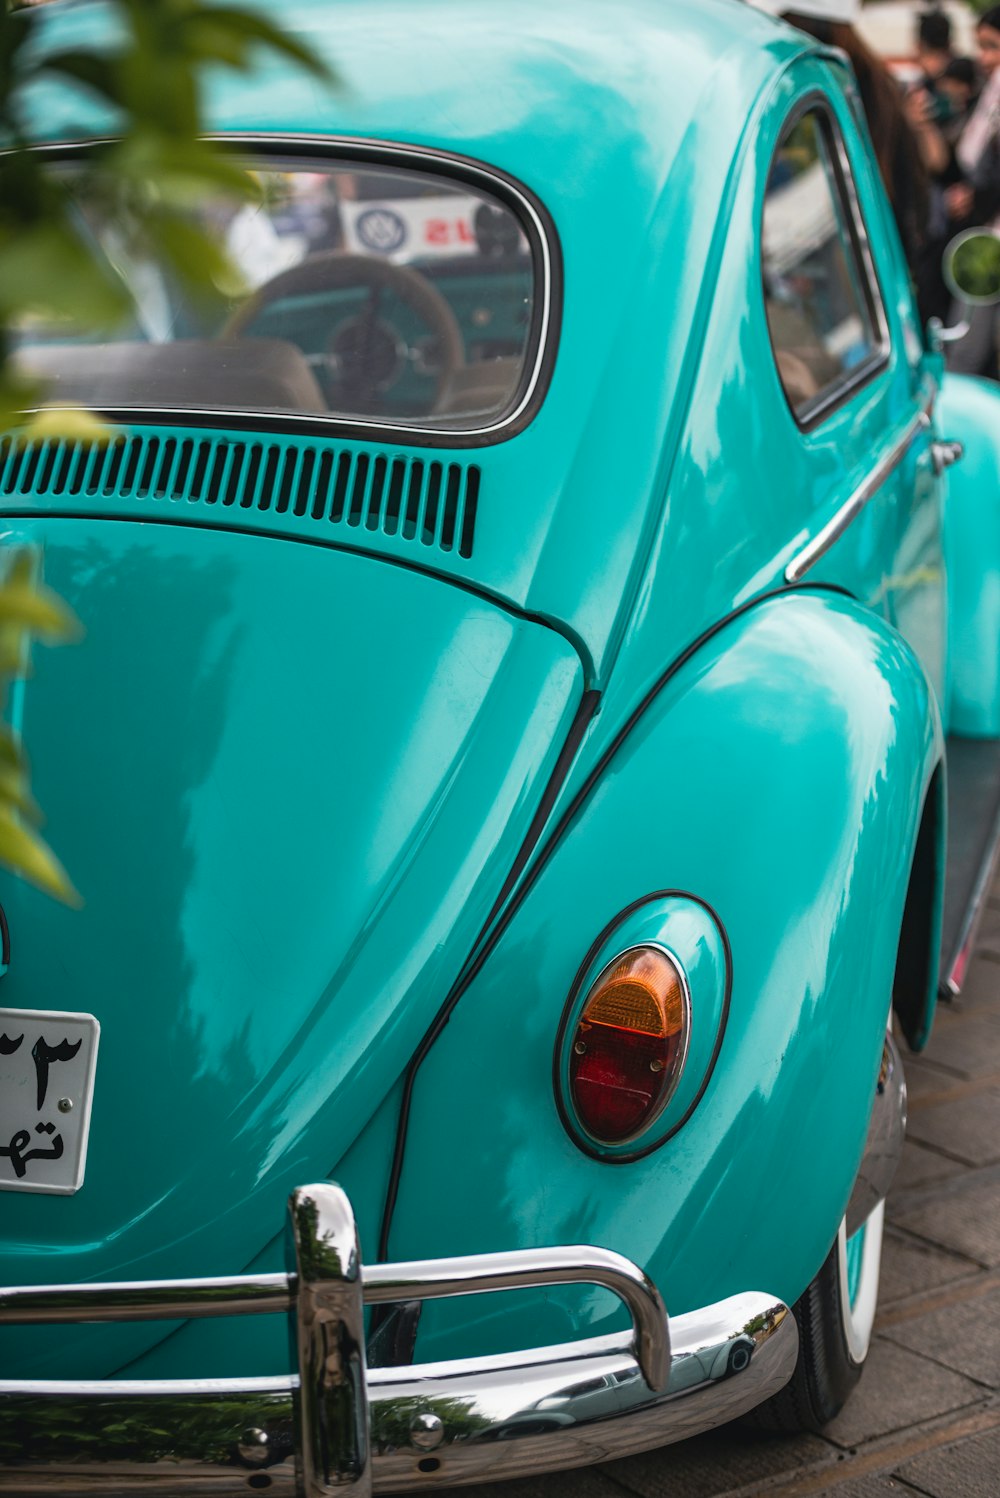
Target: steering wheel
{"x":364,"y":354}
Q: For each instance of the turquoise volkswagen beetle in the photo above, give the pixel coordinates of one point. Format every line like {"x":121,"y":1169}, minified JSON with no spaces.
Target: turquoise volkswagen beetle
{"x":529,"y":637}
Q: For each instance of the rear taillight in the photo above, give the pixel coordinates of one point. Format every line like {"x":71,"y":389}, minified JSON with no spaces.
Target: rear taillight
{"x":630,"y":1044}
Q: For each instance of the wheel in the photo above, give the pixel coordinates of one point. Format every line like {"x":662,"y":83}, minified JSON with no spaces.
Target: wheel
{"x":739,"y":1357}
{"x":366,"y":353}
{"x":835,"y":1317}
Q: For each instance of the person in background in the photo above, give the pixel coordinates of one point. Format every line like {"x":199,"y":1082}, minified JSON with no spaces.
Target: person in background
{"x":977,"y":150}
{"x":947,"y":82}
{"x":959,"y":83}
{"x":974,"y":200}
{"x":899,"y":155}
{"x":934,"y":49}
{"x":937,"y":107}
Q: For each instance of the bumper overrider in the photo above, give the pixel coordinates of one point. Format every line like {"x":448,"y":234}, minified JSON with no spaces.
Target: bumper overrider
{"x":337,"y":1427}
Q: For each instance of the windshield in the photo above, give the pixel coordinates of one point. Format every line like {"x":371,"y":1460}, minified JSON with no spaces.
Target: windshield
{"x":388,"y":296}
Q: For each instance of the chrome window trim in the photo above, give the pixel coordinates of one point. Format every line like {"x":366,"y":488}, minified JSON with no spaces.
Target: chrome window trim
{"x":546,"y":261}
{"x":815,"y":412}
{"x":865,"y":491}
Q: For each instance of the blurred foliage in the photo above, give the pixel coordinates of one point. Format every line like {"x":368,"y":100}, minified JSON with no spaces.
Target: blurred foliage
{"x":145,"y":181}
{"x":139,"y":1430}
{"x":27,"y":610}
{"x":392,"y":1420}
{"x":975,"y":266}
{"x":192,"y":1429}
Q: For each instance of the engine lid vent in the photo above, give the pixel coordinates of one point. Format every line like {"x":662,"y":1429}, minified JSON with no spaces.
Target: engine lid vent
{"x":429,"y":502}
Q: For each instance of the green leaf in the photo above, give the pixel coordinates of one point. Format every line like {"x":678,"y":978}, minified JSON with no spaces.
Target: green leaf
{"x":25,"y":193}
{"x":11,"y":754}
{"x":254,"y":30}
{"x":164,"y":96}
{"x":14,"y":792}
{"x":14,"y":657}
{"x":197,"y":259}
{"x":47,"y":270}
{"x":212,"y":165}
{"x":180,"y":173}
{"x":95,"y":72}
{"x":28,"y":855}
{"x":209,"y":40}
{"x":27,"y":605}
{"x":69,"y":425}
{"x":17,"y":395}
{"x":146,"y":185}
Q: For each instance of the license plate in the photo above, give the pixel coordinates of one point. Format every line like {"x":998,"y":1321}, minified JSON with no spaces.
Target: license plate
{"x":47,"y":1062}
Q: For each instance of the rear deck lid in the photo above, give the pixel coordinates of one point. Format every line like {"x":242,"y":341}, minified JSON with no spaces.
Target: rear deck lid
{"x":289,"y":783}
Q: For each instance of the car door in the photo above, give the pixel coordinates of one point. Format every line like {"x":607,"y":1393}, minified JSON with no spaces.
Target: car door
{"x":846,"y":344}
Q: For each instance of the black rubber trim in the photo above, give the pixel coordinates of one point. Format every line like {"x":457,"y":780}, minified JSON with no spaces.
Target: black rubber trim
{"x":589,"y":703}
{"x":392,"y":1332}
{"x":575,"y":1133}
{"x":4,"y":939}
{"x":483,"y":951}
{"x":840,"y":392}
{"x":404,"y":564}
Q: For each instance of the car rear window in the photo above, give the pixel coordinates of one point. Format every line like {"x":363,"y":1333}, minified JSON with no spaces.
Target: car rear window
{"x":373,"y":295}
{"x":820,"y":292}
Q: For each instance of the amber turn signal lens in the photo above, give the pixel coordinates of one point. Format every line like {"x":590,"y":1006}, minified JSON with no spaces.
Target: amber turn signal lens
{"x":630,"y":1044}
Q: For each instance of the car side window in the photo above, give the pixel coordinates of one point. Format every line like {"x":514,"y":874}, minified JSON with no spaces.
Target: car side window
{"x":824,"y":309}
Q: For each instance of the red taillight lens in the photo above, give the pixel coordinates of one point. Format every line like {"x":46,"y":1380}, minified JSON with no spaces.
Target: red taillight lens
{"x":629,"y":1045}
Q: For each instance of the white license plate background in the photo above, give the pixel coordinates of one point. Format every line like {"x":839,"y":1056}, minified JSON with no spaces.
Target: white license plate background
{"x":44,"y":1148}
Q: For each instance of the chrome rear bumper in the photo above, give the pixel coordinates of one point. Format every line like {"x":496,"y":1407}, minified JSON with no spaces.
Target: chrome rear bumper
{"x":338,"y":1427}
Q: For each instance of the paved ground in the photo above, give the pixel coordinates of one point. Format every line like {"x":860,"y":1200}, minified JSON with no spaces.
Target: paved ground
{"x":925,"y":1419}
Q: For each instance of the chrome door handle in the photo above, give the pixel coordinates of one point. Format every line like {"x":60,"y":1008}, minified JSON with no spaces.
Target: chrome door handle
{"x":943,"y":454}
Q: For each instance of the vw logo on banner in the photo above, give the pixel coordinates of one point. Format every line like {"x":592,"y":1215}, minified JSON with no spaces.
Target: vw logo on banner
{"x":381,"y":230}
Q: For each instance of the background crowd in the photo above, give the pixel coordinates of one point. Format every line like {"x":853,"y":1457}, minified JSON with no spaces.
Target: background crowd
{"x":937,"y":140}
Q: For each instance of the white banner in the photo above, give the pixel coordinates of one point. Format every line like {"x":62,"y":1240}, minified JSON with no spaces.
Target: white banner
{"x":404,"y":229}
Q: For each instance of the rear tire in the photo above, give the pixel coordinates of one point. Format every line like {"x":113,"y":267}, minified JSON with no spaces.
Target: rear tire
{"x":835,"y":1316}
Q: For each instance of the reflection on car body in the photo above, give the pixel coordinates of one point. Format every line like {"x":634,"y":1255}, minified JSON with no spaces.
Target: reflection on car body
{"x":535,"y":630}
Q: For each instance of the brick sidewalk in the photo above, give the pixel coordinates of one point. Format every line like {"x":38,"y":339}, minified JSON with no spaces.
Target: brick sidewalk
{"x":925,"y":1419}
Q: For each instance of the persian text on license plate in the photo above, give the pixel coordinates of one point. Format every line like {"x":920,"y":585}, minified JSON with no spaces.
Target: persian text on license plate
{"x":47,"y":1062}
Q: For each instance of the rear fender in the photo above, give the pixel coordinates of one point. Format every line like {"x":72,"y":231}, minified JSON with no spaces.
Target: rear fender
{"x":779,"y":777}
{"x":970,"y":413}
